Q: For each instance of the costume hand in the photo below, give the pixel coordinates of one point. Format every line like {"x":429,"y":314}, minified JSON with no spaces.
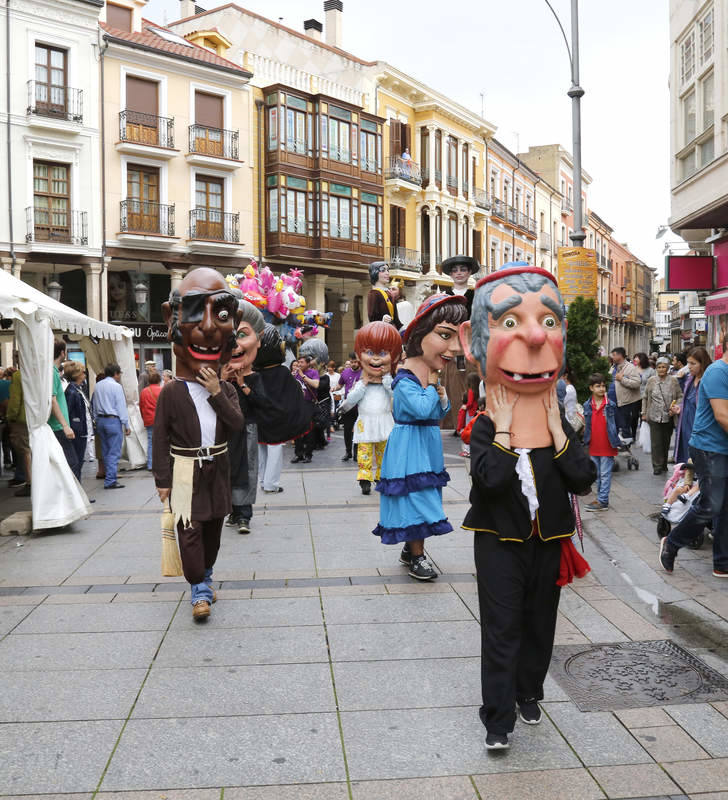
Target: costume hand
{"x":68,"y":433}
{"x":364,"y":378}
{"x":386,"y":318}
{"x":441,"y":391}
{"x":208,"y":378}
{"x":164,"y":494}
{"x":553,"y":419}
{"x":227,"y":373}
{"x":500,"y":407}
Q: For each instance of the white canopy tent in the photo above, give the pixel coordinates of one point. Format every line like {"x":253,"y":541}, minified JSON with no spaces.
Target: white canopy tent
{"x":57,"y":498}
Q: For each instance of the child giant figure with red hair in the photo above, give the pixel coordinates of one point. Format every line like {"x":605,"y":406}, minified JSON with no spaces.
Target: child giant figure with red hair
{"x":378,"y":347}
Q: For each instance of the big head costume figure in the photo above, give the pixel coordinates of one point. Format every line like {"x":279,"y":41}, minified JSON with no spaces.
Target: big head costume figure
{"x":247,"y":338}
{"x":202,"y":316}
{"x":379,"y":348}
{"x":517,"y":337}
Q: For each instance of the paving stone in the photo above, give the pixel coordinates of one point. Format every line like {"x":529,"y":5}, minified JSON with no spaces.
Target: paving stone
{"x":553,"y":784}
{"x":459,"y":788}
{"x":699,"y":776}
{"x":627,"y":620}
{"x":401,"y":608}
{"x":668,"y":743}
{"x":288,"y":749}
{"x":55,"y":756}
{"x":288,"y":611}
{"x":165,"y":794}
{"x":88,"y":796}
{"x":349,"y":591}
{"x":78,"y":650}
{"x":287,"y":591}
{"x":221,"y":691}
{"x":69,"y":695}
{"x":426,"y":587}
{"x":439,"y":683}
{"x":381,"y":642}
{"x":709,"y":796}
{"x":588,"y":620}
{"x":147,"y":597}
{"x":449,"y":741}
{"x":634,"y":780}
{"x":16,"y":599}
{"x":705,"y":724}
{"x":79,"y":599}
{"x":722,"y":706}
{"x":598,"y":738}
{"x":12,"y":616}
{"x":235,"y":646}
{"x":644,"y":717}
{"x":311,"y":791}
{"x":96,"y":618}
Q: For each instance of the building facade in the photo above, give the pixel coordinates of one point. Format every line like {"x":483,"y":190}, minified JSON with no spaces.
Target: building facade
{"x":699,"y":128}
{"x":178,"y":188}
{"x":50,"y":223}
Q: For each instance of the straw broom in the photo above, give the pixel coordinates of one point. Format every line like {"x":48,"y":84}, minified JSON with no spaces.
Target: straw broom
{"x":171,"y":562}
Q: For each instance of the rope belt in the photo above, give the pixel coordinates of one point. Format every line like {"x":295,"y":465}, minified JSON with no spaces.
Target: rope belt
{"x":183,"y":472}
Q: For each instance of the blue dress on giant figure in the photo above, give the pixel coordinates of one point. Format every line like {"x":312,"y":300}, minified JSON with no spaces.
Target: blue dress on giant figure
{"x":413,"y":468}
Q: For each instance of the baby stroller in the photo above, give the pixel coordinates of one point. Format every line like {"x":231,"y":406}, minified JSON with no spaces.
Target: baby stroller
{"x":625,"y":449}
{"x":680,"y":492}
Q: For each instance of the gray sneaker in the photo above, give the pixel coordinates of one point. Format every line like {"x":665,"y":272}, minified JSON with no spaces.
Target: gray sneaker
{"x":421,"y":569}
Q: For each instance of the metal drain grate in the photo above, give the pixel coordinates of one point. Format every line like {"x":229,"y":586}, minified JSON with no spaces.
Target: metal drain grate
{"x":611,"y":677}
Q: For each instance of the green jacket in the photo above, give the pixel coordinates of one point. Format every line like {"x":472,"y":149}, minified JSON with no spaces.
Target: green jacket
{"x":16,"y":405}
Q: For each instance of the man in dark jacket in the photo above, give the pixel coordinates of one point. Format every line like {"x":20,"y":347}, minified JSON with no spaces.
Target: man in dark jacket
{"x":525,"y":460}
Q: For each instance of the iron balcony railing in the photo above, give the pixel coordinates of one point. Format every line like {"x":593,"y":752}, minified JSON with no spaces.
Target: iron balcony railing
{"x":216,"y":142}
{"x":566,"y":206}
{"x":452,"y":182}
{"x":141,"y":128}
{"x":403,"y":258}
{"x":466,"y":187}
{"x":218,"y":226}
{"x":58,"y":102}
{"x":297,"y":146}
{"x":143,"y":216}
{"x":438,"y":177}
{"x":403,"y":170}
{"x":527,"y":223}
{"x":544,"y":240}
{"x":54,"y":225}
{"x":499,"y":208}
{"x":481,"y":198}
{"x":603,"y":308}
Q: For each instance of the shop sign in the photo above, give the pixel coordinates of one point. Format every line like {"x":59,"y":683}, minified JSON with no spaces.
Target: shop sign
{"x":151,"y":332}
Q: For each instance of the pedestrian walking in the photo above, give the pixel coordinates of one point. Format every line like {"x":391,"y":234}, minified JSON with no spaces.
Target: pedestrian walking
{"x":148,"y":407}
{"x":108,"y":407}
{"x":19,"y":439}
{"x":600,"y":438}
{"x":709,"y":454}
{"x":58,"y":419}
{"x":627,"y":383}
{"x":75,"y":374}
{"x":349,"y":376}
{"x":308,"y":377}
{"x":698,"y":361}
{"x":195,"y":415}
{"x":660,"y":407}
{"x":413,"y":468}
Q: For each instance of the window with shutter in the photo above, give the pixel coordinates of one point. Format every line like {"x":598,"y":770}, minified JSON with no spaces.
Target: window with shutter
{"x":118,"y":17}
{"x":142,"y":108}
{"x":395,"y":138}
{"x":51,"y":193}
{"x":50,"y":80}
{"x":209,"y":121}
{"x":477,"y":246}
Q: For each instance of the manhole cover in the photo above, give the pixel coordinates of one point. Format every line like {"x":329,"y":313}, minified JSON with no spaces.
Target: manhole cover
{"x":610,"y":677}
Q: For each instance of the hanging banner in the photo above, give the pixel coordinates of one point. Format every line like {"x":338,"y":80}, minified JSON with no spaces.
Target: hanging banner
{"x":577,"y":273}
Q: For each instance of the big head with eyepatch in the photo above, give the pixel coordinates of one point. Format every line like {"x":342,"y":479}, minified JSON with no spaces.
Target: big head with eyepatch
{"x":517,"y":337}
{"x":202,"y":316}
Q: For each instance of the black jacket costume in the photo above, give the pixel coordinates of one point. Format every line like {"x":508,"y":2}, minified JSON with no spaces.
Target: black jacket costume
{"x":497,"y":502}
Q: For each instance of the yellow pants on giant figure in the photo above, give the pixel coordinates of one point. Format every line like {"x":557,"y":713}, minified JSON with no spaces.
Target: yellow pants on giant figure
{"x":369,"y":457}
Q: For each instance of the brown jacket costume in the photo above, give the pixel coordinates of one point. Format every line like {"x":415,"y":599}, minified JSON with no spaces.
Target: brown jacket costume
{"x":176,"y":423}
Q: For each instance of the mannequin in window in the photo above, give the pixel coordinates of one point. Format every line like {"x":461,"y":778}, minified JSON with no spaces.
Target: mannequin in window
{"x":460,"y":268}
{"x":380,"y":306}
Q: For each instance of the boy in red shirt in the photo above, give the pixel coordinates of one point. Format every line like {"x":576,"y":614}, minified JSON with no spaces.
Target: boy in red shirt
{"x":601,"y":438}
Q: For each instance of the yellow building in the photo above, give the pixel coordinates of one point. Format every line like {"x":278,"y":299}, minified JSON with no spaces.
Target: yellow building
{"x":178,"y":187}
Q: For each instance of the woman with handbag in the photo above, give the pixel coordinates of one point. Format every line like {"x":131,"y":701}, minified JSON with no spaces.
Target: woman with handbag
{"x":698,"y":362}
{"x":660,"y":407}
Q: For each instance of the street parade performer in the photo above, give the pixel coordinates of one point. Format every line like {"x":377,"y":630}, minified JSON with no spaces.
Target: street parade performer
{"x":461,"y":269}
{"x":525,"y":460}
{"x":243,"y":444}
{"x":196,"y":414}
{"x":413,"y":468}
{"x":378,"y":347}
{"x":380,"y":303}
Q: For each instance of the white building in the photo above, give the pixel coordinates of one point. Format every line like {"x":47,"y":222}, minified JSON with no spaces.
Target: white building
{"x":699,"y":125}
{"x":50,"y":185}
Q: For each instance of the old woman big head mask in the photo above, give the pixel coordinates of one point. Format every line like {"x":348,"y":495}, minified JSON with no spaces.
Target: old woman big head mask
{"x":202,"y":316}
{"x":517,"y":337}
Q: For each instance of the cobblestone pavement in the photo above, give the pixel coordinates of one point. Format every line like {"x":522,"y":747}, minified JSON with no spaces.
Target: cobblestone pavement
{"x":326,"y":673}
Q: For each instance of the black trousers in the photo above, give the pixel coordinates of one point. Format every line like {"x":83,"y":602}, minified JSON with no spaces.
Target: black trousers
{"x":349,"y":420}
{"x":518,"y":599}
{"x":660,"y":436}
{"x":628,"y":417}
{"x":69,"y":451}
{"x":303,"y":446}
{"x":198,"y":547}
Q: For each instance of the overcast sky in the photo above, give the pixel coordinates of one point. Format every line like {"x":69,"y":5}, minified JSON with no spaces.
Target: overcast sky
{"x":513,"y":53}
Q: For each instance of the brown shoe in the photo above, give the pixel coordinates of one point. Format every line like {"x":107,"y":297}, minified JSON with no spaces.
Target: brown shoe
{"x":200,"y":610}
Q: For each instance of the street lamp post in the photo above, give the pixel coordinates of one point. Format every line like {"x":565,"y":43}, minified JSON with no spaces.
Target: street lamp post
{"x":575,"y":93}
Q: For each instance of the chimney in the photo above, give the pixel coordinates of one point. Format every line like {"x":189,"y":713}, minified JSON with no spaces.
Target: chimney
{"x":187,"y":8}
{"x":334,"y":10}
{"x":313,"y":28}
